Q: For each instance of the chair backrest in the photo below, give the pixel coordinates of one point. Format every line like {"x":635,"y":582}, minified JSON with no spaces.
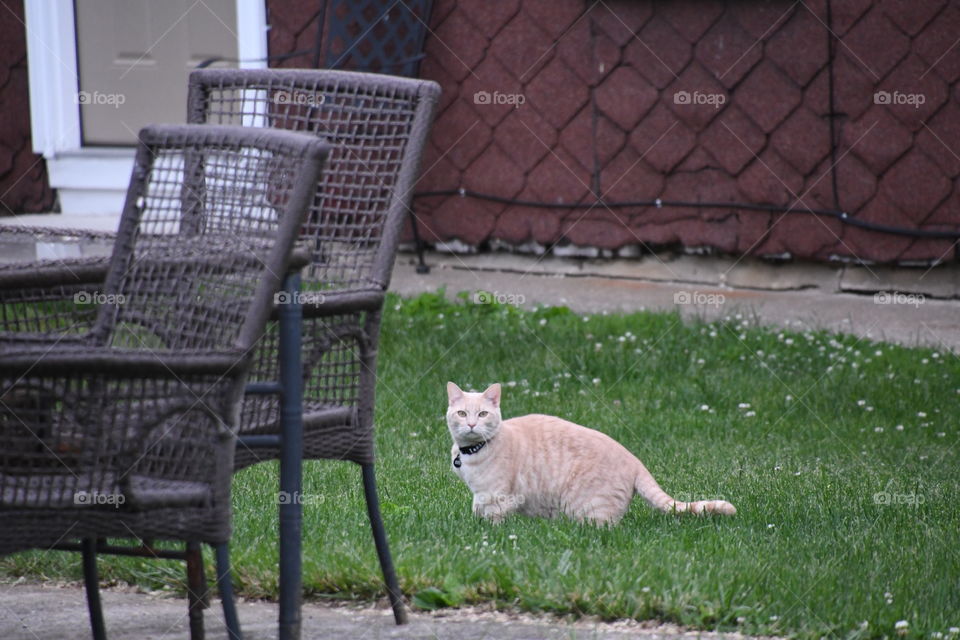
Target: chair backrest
{"x":376,"y":125}
{"x":211,"y":217}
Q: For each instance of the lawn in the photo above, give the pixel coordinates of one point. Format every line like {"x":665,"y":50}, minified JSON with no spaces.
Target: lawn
{"x":840,"y":455}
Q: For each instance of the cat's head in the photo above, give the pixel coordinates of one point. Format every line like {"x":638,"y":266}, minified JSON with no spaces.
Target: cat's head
{"x":473,"y":417}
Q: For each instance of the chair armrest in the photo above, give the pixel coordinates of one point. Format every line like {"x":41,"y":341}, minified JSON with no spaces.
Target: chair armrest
{"x":53,"y":273}
{"x":319,"y":304}
{"x":122,"y":362}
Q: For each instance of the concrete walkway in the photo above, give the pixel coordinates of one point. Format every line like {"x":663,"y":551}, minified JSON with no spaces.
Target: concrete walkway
{"x":41,"y":612}
{"x":797,"y":298}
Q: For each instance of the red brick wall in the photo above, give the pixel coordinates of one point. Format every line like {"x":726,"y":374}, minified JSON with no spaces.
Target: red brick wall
{"x":23,"y":174}
{"x":601,"y":86}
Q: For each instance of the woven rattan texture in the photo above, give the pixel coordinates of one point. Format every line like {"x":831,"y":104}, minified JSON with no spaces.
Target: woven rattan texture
{"x":376,"y":126}
{"x":128,"y":429}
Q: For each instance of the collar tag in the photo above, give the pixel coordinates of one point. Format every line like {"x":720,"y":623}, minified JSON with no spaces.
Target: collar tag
{"x":457,"y":462}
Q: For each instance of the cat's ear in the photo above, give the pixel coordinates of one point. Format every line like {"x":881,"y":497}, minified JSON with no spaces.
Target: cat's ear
{"x":493,"y":394}
{"x":454,"y":392}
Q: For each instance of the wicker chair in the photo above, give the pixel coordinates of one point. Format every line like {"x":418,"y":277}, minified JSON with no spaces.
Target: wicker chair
{"x":377,"y":127}
{"x":115,"y":426}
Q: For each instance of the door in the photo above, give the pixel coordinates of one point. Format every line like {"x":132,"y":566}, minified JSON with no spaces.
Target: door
{"x":134,"y":57}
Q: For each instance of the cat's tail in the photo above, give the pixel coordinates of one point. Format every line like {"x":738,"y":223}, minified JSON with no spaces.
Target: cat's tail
{"x":657,"y":498}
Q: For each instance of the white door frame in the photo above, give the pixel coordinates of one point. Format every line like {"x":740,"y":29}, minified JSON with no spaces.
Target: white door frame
{"x":92,"y":181}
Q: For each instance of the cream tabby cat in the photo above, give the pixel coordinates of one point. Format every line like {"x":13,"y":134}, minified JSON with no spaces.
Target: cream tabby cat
{"x":543,"y":466}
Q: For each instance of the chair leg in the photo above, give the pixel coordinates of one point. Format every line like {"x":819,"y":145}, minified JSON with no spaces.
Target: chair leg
{"x":197,"y":594}
{"x":380,"y":539}
{"x":225,"y":584}
{"x":92,"y":583}
{"x":422,"y":266}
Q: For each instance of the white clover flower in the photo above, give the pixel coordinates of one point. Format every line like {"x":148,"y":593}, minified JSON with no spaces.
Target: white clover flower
{"x":860,"y":403}
{"x":878,"y":429}
{"x":596,"y":381}
{"x":512,"y":536}
{"x":899,"y":427}
{"x":749,"y":414}
{"x":921,"y":414}
{"x":704,"y":407}
{"x":902,"y":627}
{"x":743,"y":405}
{"x":543,"y":321}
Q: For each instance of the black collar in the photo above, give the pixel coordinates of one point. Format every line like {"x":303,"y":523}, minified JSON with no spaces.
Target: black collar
{"x":469,"y":451}
{"x":472,"y":449}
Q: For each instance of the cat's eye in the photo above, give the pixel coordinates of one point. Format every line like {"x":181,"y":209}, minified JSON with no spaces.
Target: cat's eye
{"x":483,"y":414}
{"x":462,"y":414}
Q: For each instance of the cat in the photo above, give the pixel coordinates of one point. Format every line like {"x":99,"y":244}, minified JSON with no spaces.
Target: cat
{"x":544,"y":466}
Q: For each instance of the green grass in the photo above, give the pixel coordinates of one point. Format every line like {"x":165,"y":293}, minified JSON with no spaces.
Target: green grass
{"x":812,"y":552}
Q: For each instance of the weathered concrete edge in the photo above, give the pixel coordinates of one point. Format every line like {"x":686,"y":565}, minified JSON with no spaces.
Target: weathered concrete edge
{"x":942,"y":281}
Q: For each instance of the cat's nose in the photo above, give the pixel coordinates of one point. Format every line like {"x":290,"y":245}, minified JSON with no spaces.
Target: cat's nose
{"x":472,"y":425}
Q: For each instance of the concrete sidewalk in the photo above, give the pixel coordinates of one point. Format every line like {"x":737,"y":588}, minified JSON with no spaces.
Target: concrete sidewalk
{"x":797,"y":298}
{"x":40,"y":612}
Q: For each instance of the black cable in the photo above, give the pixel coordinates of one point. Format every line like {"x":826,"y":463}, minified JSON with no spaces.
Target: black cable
{"x":831,"y":54}
{"x":842,"y":216}
{"x":321,"y":21}
{"x":595,"y":173}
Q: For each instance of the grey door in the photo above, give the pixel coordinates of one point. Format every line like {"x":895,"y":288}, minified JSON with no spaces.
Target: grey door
{"x":134,"y":57}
